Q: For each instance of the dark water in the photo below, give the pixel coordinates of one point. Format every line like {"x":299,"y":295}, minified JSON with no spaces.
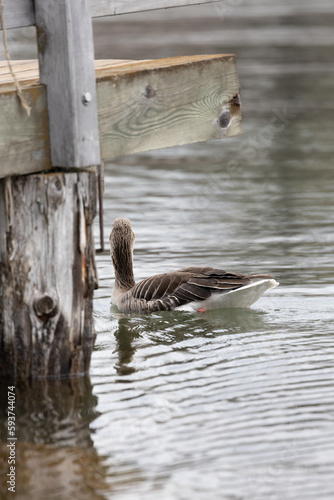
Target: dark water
{"x":233,"y":404}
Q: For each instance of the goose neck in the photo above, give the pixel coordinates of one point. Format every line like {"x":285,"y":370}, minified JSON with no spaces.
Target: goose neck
{"x":123,"y":265}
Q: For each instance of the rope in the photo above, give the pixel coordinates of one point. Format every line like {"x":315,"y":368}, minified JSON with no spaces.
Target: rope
{"x":19,"y":92}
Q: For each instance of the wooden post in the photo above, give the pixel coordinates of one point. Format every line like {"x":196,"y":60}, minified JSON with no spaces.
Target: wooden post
{"x":66,"y":62}
{"x":47,"y":274}
{"x":47,"y":267}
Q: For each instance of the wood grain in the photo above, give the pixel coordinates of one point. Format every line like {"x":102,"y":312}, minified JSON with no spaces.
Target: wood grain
{"x":164,"y":103}
{"x":18,"y":13}
{"x":142,"y":105}
{"x":47,"y":274}
{"x":24,"y":141}
{"x":66,"y":61}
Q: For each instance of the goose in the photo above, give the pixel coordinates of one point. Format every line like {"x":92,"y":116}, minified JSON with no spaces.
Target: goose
{"x":192,"y":288}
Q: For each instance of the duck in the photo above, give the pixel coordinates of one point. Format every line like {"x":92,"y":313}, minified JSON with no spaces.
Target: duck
{"x":191,"y":288}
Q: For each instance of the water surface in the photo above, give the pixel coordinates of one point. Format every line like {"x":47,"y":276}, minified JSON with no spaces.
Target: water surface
{"x":231,"y":404}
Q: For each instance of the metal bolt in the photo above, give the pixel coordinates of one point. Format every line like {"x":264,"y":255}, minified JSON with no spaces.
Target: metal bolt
{"x":86,"y":98}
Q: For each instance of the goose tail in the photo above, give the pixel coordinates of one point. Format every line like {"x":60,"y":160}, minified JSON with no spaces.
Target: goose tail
{"x":244,"y":296}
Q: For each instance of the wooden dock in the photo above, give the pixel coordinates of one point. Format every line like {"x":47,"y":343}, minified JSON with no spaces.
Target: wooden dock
{"x":141,"y":105}
{"x":82,"y":112}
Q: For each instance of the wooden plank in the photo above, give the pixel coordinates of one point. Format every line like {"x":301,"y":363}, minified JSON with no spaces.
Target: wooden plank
{"x":24,"y":141}
{"x":20,"y":13}
{"x":157,"y":104}
{"x":26,"y":71}
{"x":101,"y":8}
{"x":142,"y":105}
{"x":66,"y":61}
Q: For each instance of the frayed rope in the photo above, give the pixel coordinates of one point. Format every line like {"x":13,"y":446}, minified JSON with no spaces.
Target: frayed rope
{"x":19,"y":92}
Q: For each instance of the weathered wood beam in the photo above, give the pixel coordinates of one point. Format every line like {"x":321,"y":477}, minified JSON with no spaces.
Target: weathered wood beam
{"x":20,"y":13}
{"x":24,"y":141}
{"x":47,"y":274}
{"x":157,"y":104}
{"x":101,"y":8}
{"x":66,"y":61}
{"x":142,"y":105}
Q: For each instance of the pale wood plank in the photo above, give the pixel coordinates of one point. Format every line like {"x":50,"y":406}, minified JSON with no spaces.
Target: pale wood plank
{"x":101,"y":8}
{"x":157,"y":104}
{"x":142,"y":105}
{"x":66,"y":61}
{"x":20,"y":13}
{"x":27,"y":73}
{"x":24,"y":141}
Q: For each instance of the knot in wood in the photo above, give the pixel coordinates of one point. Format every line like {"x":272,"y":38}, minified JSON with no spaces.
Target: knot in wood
{"x":149,"y":92}
{"x":58,"y":184}
{"x":45,"y":307}
{"x":56,"y":191}
{"x":224,"y":119}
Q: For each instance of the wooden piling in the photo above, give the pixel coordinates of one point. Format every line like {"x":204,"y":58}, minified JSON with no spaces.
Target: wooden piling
{"x":47,"y":274}
{"x":47,"y":266}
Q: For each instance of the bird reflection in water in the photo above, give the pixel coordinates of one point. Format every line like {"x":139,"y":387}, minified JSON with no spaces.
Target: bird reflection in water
{"x":125,"y":334}
{"x":174,"y":327}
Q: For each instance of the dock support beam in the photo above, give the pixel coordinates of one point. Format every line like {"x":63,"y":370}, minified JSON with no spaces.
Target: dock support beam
{"x":47,"y":274}
{"x":66,"y":65}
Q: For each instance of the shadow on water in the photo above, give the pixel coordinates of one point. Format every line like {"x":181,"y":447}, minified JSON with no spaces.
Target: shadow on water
{"x":54,"y":454}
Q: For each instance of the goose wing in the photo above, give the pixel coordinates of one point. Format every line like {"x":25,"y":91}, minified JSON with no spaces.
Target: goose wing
{"x":186,"y":285}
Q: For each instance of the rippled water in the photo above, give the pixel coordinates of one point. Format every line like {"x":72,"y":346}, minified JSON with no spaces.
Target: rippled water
{"x":232,"y":404}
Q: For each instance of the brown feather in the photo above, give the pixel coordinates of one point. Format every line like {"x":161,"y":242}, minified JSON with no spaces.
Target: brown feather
{"x":187,"y":285}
